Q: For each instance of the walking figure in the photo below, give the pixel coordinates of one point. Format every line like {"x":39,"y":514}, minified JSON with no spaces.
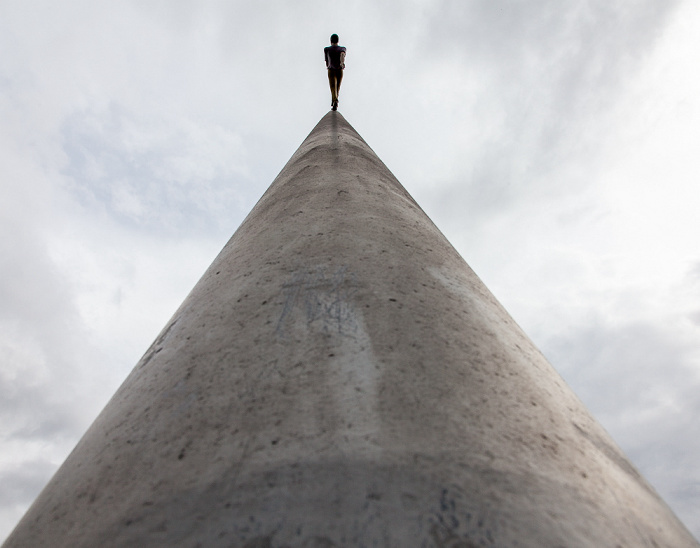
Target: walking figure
{"x":335,"y":63}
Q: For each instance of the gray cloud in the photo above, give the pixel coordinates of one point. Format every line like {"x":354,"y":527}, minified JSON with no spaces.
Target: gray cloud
{"x":24,"y":482}
{"x":154,"y":174}
{"x":547,"y":76}
{"x":641,"y":382}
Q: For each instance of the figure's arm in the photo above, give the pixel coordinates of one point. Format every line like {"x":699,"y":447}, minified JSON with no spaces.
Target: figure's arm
{"x":342,"y":59}
{"x":325,"y":56}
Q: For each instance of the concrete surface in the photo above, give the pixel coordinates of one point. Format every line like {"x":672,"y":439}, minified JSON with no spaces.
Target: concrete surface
{"x":340,"y":377}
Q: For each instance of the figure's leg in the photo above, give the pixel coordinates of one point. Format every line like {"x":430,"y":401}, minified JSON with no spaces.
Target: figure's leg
{"x":339,"y":78}
{"x":334,"y":85}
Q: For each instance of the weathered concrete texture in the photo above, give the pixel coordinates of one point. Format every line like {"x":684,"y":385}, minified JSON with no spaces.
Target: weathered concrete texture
{"x":340,"y":377}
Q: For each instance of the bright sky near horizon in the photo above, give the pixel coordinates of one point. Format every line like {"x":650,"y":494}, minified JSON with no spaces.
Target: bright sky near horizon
{"x":554,"y":143}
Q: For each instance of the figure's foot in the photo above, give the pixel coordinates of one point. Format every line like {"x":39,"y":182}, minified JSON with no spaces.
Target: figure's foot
{"x":334,"y":105}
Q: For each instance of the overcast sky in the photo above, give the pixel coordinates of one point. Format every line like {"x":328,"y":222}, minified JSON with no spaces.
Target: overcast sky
{"x":554,"y":142}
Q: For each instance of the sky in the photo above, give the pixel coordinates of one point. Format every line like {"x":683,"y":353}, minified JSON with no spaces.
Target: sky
{"x":555,"y":144}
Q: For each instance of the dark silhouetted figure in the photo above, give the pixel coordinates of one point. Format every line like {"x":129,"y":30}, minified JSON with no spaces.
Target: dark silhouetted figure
{"x":335,"y":62}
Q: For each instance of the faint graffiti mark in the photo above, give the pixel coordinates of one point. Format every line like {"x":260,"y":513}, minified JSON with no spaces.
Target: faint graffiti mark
{"x":157,"y":345}
{"x":259,"y":542}
{"x":323,"y":298}
{"x":311,"y":542}
{"x":452,"y":525}
{"x":611,"y":452}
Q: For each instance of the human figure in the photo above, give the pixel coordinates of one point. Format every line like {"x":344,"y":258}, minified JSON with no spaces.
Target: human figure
{"x":335,"y":63}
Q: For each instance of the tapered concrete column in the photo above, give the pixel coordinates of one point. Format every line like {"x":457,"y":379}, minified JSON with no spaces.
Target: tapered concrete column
{"x":340,"y":377}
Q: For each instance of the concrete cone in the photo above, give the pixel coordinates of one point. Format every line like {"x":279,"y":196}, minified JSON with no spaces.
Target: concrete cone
{"x":339,"y":377}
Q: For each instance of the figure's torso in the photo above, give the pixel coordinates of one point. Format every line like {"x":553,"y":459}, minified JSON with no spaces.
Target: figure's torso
{"x":334,"y":56}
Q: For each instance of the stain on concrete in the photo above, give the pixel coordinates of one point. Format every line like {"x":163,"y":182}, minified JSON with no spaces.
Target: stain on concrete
{"x":320,"y":297}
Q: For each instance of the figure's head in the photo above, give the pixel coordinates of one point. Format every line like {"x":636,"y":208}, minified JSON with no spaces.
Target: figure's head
{"x":334,"y":38}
